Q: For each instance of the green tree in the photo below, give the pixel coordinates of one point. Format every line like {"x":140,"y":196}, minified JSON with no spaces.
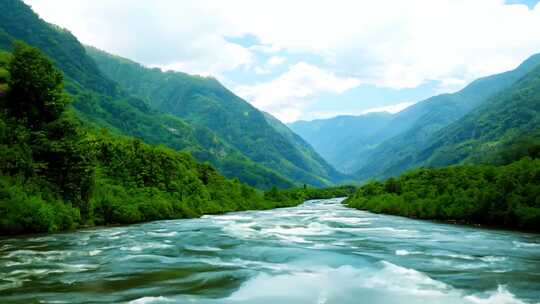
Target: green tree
{"x":36,"y":100}
{"x":36,"y":93}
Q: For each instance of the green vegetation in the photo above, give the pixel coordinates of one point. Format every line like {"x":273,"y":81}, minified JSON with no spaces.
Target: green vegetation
{"x":306,"y":193}
{"x":101,"y":103}
{"x":506,"y":196}
{"x":57,"y":175}
{"x":454,"y":128}
{"x":206,"y":103}
{"x":506,"y":122}
{"x":345,"y":140}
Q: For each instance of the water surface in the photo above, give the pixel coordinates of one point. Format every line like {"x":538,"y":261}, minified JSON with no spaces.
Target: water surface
{"x":319,"y":252}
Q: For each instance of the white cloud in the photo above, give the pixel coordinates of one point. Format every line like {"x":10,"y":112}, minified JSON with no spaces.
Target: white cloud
{"x":290,"y":93}
{"x":397,"y":44}
{"x":395,"y":108}
{"x":266,"y":49}
{"x":261,"y":71}
{"x":388,"y":43}
{"x":168,"y":34}
{"x":275,"y":61}
{"x":229,"y":58}
{"x":270,"y":65}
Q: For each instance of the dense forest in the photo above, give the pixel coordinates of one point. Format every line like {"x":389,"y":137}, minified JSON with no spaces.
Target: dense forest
{"x":463,"y":127}
{"x":262,"y":160}
{"x":499,"y":185}
{"x":505,"y":196}
{"x":56,"y":174}
{"x":205,"y":102}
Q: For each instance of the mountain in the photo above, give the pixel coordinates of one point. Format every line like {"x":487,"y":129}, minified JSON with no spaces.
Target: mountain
{"x":56,"y":174}
{"x":489,"y":129}
{"x":300,"y":144}
{"x":338,"y":138}
{"x":382,"y":145}
{"x":103,"y":103}
{"x":425,"y":119}
{"x":205,"y":102}
{"x":400,"y":152}
{"x":209,"y":132}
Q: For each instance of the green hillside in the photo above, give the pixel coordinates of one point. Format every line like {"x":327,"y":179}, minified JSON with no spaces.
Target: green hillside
{"x":205,"y":102}
{"x":101,"y":102}
{"x":504,"y":196}
{"x":424,"y":123}
{"x":344,"y":140}
{"x":56,"y":174}
{"x":489,"y":129}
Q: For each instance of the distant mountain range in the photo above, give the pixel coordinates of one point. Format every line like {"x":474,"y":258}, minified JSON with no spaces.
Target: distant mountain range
{"x":345,"y":140}
{"x":446,"y":129}
{"x":178,"y":110}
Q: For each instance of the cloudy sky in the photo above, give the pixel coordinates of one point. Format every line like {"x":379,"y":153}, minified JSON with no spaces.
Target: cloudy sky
{"x":307,"y":59}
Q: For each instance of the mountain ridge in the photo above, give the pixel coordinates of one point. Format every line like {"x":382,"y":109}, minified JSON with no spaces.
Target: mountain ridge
{"x":381,"y":151}
{"x":206,"y":102}
{"x":104,"y":103}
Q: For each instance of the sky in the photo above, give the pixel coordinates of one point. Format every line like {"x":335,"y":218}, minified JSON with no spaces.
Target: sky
{"x":309,"y":59}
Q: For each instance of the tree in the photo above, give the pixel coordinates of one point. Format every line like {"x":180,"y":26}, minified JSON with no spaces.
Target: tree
{"x":36,"y":101}
{"x":36,"y":93}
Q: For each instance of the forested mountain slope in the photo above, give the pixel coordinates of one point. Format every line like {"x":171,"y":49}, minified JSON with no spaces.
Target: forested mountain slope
{"x":423,"y":121}
{"x":303,"y":146}
{"x":102,"y":102}
{"x":56,"y":174}
{"x":338,"y":139}
{"x":501,"y":121}
{"x":381,"y":144}
{"x":205,"y":102}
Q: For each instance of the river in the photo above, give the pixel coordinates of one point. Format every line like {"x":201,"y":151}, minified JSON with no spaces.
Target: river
{"x":319,"y":252}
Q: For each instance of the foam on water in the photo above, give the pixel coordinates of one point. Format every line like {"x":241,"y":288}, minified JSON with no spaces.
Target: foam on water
{"x":320,"y":252}
{"x":346,"y":284}
{"x":310,"y":229}
{"x":163,"y":234}
{"x":202,"y":248}
{"x":500,"y":296}
{"x":144,"y":246}
{"x":519,"y":244}
{"x":148,"y":300}
{"x":404,"y":252}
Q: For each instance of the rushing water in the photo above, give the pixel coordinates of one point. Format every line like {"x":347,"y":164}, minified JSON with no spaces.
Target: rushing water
{"x":319,"y":252}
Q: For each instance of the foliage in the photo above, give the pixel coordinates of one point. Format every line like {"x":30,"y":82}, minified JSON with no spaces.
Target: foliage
{"x":454,"y":128}
{"x":204,"y":102}
{"x":36,"y":94}
{"x":102,"y":103}
{"x":506,"y":196}
{"x":344,"y":140}
{"x":307,"y":193}
{"x":511,"y":118}
{"x":57,"y":175}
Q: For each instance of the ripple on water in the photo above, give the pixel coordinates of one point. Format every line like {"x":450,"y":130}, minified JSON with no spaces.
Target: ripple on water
{"x":202,"y":248}
{"x":389,"y":283}
{"x":519,"y":244}
{"x":144,"y":246}
{"x":163,"y":234}
{"x":320,"y":252}
{"x":147,"y":300}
